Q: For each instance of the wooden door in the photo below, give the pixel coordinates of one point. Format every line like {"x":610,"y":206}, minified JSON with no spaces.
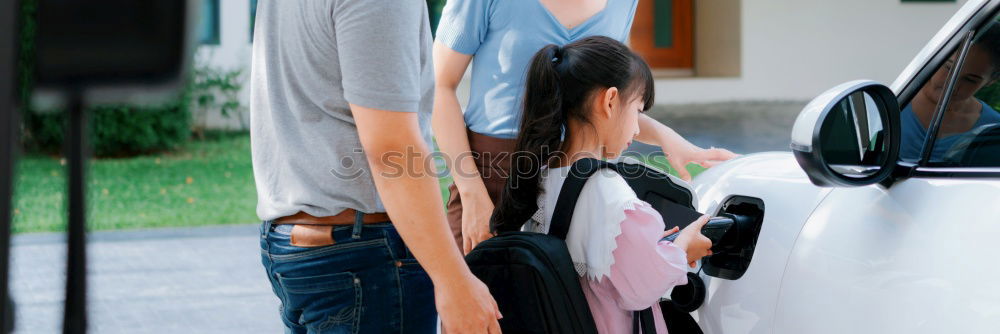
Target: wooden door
{"x":663,"y":33}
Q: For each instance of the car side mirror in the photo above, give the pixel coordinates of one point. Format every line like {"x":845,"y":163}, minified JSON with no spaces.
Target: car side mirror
{"x":849,"y":135}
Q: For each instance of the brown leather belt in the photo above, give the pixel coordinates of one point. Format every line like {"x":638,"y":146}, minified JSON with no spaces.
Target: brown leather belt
{"x":312,"y":231}
{"x":345,"y":217}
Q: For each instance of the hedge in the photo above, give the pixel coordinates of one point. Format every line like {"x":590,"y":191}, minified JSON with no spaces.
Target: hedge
{"x":115,"y":130}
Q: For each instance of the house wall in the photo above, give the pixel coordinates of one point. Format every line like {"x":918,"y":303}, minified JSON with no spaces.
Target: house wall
{"x":717,"y":38}
{"x":232,"y":53}
{"x":744,"y":49}
{"x":796,"y":49}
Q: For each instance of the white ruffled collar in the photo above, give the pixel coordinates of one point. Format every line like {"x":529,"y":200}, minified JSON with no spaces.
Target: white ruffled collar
{"x":600,"y":210}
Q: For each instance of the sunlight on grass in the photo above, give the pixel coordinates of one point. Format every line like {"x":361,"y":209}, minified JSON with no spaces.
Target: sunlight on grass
{"x":660,"y":162}
{"x":205,"y":183}
{"x":657,"y":161}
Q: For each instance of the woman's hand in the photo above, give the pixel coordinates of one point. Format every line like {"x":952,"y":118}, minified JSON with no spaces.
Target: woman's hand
{"x":693,"y":242}
{"x":477,"y":208}
{"x":678,"y":150}
{"x":680,"y":156}
{"x":453,"y":141}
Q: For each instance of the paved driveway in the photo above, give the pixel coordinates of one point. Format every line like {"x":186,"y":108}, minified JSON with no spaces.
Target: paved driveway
{"x":192,"y":280}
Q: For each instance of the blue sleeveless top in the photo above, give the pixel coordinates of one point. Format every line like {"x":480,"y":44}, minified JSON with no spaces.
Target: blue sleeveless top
{"x":502,"y":36}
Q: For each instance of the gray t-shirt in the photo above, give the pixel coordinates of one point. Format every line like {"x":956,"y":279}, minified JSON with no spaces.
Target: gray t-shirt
{"x":310,"y":59}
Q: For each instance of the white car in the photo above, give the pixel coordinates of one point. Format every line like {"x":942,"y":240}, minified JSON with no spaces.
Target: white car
{"x":864,"y":228}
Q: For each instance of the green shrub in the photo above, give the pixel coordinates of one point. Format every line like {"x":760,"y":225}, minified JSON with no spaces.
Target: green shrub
{"x":435,"y":7}
{"x":26,"y":55}
{"x":214,"y":89}
{"x":990,"y":94}
{"x":115,"y":130}
{"x":128,"y":130}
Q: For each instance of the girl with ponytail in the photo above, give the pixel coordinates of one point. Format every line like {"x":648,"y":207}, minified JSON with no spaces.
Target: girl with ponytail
{"x":583,"y":100}
{"x":477,"y":139}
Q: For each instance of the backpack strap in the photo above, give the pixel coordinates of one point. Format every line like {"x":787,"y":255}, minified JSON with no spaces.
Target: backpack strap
{"x":642,"y":322}
{"x":579,"y":172}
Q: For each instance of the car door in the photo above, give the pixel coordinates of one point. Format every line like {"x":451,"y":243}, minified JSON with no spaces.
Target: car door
{"x":917,"y":254}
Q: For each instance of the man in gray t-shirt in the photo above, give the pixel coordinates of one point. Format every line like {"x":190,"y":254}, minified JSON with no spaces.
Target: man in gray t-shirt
{"x":341,"y":91}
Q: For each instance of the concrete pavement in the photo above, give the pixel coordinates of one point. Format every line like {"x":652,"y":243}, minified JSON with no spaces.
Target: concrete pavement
{"x":183,"y":280}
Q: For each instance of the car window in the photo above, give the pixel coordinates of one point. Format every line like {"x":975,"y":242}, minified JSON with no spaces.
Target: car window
{"x":969,"y":130}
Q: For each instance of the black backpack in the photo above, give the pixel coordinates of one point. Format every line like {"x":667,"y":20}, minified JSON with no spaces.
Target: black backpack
{"x":531,"y":275}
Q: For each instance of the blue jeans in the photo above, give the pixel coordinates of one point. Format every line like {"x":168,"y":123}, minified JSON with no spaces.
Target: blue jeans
{"x":367,"y":282}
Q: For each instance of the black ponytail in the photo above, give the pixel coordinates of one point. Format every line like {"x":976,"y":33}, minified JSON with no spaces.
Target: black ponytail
{"x":560,"y":82}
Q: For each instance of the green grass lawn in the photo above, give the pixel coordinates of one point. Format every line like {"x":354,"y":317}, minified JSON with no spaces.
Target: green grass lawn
{"x":207,"y":182}
{"x":659,"y":161}
{"x":204,"y":183}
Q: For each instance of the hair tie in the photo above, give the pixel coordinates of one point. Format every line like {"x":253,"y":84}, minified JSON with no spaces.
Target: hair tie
{"x":557,"y":54}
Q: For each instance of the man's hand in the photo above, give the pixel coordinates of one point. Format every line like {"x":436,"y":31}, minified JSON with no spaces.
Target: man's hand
{"x":465,"y":306}
{"x":413,"y":202}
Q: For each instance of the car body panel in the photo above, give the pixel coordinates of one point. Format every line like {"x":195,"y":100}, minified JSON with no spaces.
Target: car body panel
{"x":917,"y":257}
{"x":914,"y":258}
{"x":746,"y":305}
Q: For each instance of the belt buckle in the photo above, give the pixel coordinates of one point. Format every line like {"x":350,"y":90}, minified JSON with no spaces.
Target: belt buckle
{"x":308,"y":236}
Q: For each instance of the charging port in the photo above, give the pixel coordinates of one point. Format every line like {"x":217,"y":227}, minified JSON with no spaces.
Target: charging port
{"x":731,"y":256}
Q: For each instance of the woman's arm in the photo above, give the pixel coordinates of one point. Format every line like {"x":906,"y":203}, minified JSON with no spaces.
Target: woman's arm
{"x":678,"y":150}
{"x":453,"y":141}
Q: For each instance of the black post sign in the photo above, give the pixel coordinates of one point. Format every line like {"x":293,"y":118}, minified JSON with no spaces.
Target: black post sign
{"x":8,"y":140}
{"x":117,"y":46}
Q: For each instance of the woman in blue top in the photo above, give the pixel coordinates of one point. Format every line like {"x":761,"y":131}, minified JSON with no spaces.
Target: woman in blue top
{"x":502,"y":36}
{"x":965,"y":112}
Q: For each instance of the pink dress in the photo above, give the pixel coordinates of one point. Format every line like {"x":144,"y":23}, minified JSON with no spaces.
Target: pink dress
{"x":614,"y":240}
{"x":644,"y":269}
